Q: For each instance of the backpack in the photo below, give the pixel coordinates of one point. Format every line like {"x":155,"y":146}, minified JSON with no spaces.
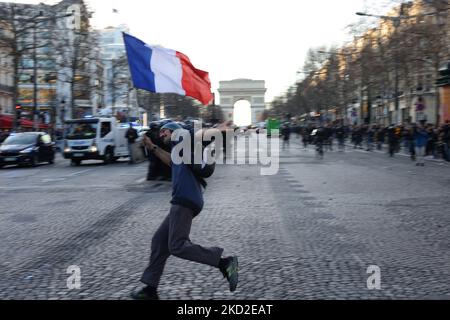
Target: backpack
{"x":207,"y":167}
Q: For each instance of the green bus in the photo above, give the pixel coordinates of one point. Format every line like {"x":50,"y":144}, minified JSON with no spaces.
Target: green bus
{"x":272,"y":124}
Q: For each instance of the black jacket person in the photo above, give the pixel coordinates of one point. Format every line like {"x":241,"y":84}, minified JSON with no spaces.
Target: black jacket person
{"x":131,"y":135}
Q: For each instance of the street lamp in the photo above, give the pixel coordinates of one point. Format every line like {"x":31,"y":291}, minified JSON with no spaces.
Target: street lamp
{"x":63,"y":110}
{"x":35,"y":21}
{"x":394,"y":19}
{"x":311,"y":73}
{"x":336,"y":53}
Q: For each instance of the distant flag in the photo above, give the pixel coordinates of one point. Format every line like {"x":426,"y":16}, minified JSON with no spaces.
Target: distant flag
{"x":162,"y":70}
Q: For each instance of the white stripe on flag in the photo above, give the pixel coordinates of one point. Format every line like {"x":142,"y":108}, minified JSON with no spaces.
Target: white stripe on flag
{"x":168,"y":71}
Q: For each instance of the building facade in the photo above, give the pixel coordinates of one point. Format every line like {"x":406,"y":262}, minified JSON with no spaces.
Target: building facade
{"x":53,"y":60}
{"x":120,"y":96}
{"x":6,"y":73}
{"x":414,"y":48}
{"x":386,"y":75}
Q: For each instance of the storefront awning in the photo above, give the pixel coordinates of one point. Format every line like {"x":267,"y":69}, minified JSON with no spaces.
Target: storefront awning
{"x":6,"y":122}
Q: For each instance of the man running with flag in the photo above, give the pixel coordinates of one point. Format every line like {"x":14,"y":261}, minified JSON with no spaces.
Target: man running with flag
{"x":162,"y":70}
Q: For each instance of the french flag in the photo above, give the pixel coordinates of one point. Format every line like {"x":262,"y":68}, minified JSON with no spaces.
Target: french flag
{"x":162,"y":70}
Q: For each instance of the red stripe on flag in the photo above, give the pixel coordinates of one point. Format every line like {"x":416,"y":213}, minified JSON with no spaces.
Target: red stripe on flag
{"x":195,"y":82}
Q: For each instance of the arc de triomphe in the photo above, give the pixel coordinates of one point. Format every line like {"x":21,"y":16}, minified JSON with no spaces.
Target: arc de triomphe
{"x":253,"y":91}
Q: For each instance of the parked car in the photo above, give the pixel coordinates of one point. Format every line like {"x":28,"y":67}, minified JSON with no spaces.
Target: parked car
{"x":30,"y":148}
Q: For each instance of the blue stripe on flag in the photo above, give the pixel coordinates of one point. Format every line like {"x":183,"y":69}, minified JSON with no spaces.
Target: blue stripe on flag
{"x":139,"y":57}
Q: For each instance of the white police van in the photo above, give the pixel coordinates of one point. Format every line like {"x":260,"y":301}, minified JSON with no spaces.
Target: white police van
{"x":95,"y":138}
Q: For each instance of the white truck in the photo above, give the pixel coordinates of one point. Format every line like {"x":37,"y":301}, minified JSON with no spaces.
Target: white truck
{"x":95,"y":138}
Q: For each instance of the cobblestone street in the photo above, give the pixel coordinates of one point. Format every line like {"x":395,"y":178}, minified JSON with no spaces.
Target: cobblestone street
{"x":310,"y":232}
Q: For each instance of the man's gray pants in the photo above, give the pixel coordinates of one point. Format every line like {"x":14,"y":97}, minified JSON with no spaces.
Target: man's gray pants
{"x":172,"y":238}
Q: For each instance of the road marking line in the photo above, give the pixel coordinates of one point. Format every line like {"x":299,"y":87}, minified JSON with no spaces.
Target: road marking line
{"x":58,"y":187}
{"x":53,"y":180}
{"x":12,"y":175}
{"x":357,"y":258}
{"x":78,"y":173}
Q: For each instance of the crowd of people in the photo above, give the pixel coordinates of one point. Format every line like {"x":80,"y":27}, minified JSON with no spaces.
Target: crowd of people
{"x":418,"y":140}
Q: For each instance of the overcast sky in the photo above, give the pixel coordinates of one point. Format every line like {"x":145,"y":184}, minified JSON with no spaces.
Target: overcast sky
{"x":254,"y":39}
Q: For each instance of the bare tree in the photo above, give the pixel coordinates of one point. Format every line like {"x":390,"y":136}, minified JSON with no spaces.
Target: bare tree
{"x":389,"y":61}
{"x":119,"y":79}
{"x":74,"y":54}
{"x":14,"y":39}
